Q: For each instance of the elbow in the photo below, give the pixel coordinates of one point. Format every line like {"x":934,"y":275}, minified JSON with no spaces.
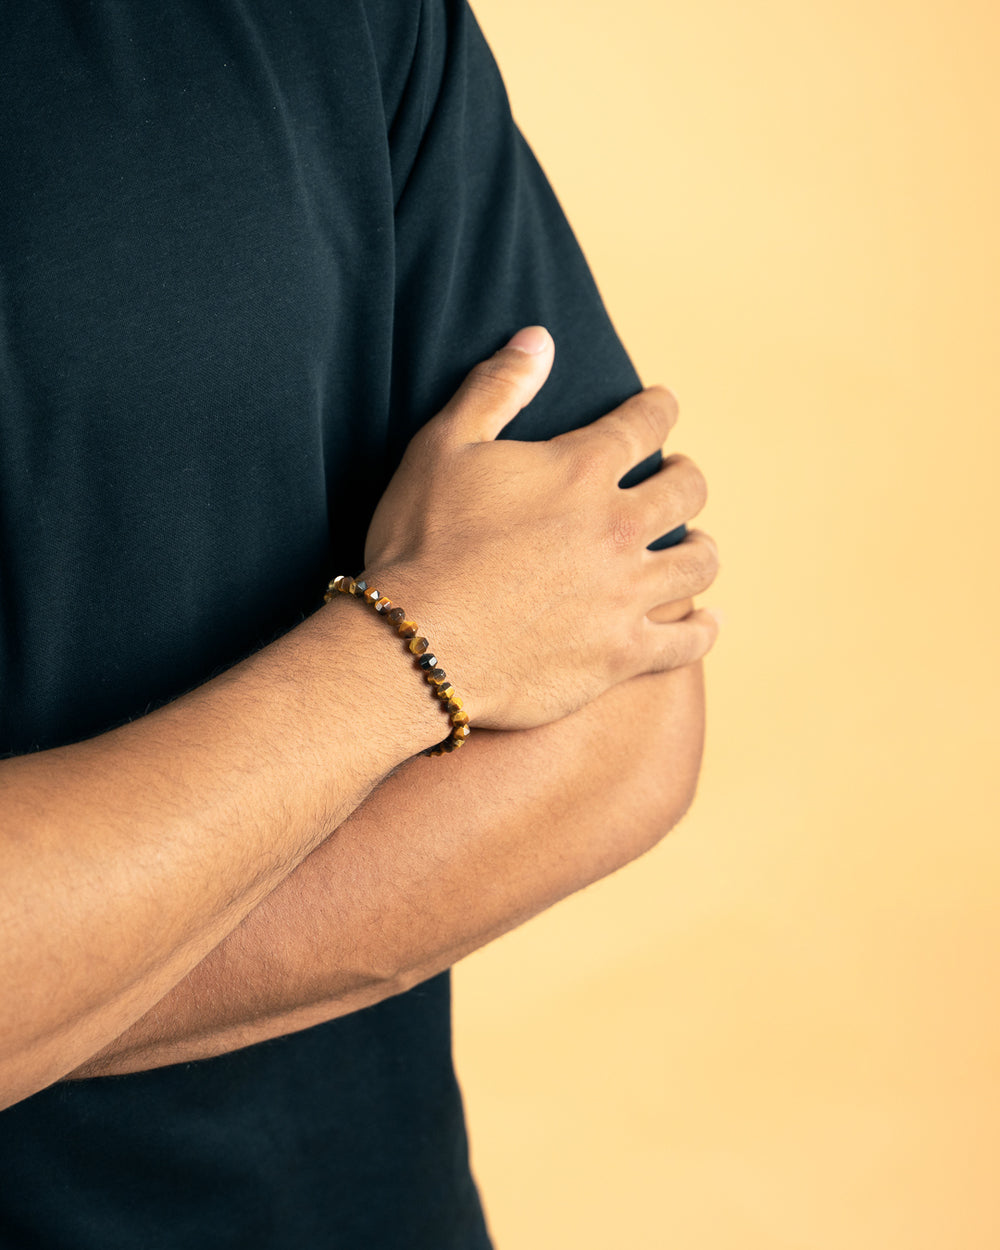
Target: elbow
{"x":668,"y":769}
{"x":674,"y":807}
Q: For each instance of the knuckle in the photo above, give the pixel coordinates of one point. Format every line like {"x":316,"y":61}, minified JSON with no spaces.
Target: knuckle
{"x":699,"y":487}
{"x":651,"y":412}
{"x":614,"y":436}
{"x":490,"y":379}
{"x":670,"y":656}
{"x":706,"y":637}
{"x":623,"y":649}
{"x":691,"y":484}
{"x":659,"y":410}
{"x":665,"y":398}
{"x":704,"y":567}
{"x":705,"y":556}
{"x":587,"y":465}
{"x":623,"y":530}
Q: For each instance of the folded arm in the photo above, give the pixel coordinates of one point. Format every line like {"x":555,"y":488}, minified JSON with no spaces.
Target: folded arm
{"x":443,"y":857}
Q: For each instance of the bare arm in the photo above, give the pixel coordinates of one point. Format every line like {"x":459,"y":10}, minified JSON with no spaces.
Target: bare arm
{"x":124,"y":860}
{"x":435,"y":863}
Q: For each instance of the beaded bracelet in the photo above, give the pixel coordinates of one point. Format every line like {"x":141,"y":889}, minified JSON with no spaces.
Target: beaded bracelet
{"x":418,"y":648}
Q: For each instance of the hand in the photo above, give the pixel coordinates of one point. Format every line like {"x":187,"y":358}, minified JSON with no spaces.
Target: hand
{"x":524,"y":563}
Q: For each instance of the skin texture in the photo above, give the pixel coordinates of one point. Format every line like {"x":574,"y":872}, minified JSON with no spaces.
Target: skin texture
{"x":126,"y":860}
{"x":565,"y":527}
{"x":435,"y":863}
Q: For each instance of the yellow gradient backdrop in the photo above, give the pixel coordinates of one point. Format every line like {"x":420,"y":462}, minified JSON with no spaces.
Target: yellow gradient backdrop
{"x":780,"y":1030}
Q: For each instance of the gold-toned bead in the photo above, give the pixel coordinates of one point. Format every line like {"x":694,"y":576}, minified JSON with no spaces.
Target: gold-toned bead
{"x":457,"y":742}
{"x":460,"y":718}
{"x":407,"y":629}
{"x":383,"y":604}
{"x":372,"y":596}
{"x":418,"y":645}
{"x":348,"y":586}
{"x":446,"y":691}
{"x":335,"y":584}
{"x":460,"y":732}
{"x":454,"y":703}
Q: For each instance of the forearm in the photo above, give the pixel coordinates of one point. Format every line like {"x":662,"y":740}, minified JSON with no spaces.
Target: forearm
{"x":124,"y":860}
{"x":435,"y":863}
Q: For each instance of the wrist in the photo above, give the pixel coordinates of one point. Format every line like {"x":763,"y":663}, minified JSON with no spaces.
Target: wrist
{"x":435,"y":604}
{"x":395,"y":709}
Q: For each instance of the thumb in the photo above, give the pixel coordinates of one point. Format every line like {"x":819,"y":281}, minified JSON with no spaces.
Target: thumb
{"x":497,"y":389}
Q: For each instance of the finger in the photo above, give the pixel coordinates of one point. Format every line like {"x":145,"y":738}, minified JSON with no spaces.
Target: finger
{"x":497,"y":389}
{"x":675,"y":493}
{"x":681,"y":642}
{"x":628,"y":434}
{"x":679,"y":572}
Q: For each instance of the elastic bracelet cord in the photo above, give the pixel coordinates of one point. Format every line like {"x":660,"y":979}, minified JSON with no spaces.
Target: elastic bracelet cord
{"x":419,"y":648}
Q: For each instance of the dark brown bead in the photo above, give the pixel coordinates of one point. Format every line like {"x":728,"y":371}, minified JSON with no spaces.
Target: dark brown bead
{"x":346,"y":587}
{"x":395,"y":615}
{"x":437,"y":676}
{"x":428,"y":661}
{"x":448,"y":744}
{"x":359,"y":589}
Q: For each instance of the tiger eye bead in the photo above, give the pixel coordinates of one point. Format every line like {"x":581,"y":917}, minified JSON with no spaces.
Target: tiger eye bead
{"x":419,"y":648}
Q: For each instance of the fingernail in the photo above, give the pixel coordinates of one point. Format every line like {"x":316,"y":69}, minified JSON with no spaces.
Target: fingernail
{"x":719,"y":615}
{"x":532,"y":340}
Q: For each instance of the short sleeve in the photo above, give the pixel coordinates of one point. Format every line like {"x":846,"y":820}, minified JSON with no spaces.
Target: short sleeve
{"x":482,"y":248}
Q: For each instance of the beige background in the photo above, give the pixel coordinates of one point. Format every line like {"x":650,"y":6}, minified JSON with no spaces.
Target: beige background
{"x":780,"y":1030}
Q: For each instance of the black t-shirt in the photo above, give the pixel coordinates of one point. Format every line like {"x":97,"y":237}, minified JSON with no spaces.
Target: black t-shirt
{"x":246,"y":249}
